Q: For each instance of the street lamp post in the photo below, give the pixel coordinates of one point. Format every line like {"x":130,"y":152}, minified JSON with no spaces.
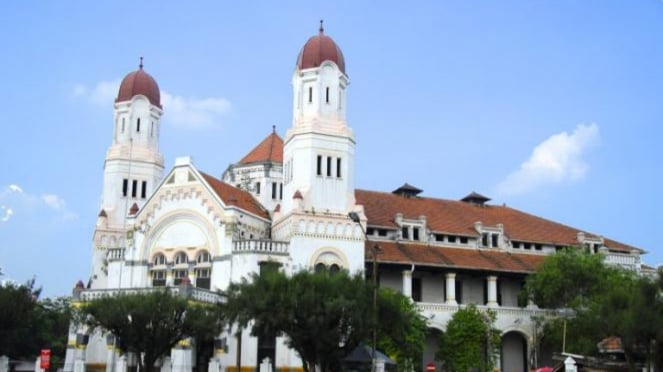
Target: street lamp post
{"x":374,"y":256}
{"x":566,"y":314}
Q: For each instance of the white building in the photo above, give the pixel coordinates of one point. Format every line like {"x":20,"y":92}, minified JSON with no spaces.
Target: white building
{"x":287,"y":201}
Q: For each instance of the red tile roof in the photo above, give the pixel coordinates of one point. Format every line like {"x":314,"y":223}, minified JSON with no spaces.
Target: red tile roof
{"x":269,"y":150}
{"x":234,"y":196}
{"x":458,"y":218}
{"x":457,"y":258}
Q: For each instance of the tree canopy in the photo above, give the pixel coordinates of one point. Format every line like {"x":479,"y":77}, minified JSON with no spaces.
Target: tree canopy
{"x":151,"y":324}
{"x":28,"y":324}
{"x":471,"y":341}
{"x":607,"y":301}
{"x":324,"y":315}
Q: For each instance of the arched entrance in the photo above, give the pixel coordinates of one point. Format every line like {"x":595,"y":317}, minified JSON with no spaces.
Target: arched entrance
{"x":431,"y":347}
{"x":513,"y":355}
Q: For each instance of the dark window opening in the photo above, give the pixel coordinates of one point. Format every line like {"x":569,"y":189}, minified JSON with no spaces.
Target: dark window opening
{"x":463,"y":239}
{"x":527,"y":246}
{"x":280,"y":191}
{"x":452,"y":239}
{"x":405,"y":232}
{"x":334,"y":268}
{"x":310,"y":94}
{"x":134,"y":188}
{"x":329,"y":170}
{"x":138,"y":125}
{"x":516,"y":245}
{"x":258,"y":188}
{"x":327,"y":95}
{"x":494,"y":238}
{"x":319,"y":166}
{"x":273,"y":190}
{"x":382,"y":232}
{"x":539,"y":247}
{"x":158,"y":278}
{"x":416,"y":289}
{"x":338,"y":167}
{"x":143,"y":190}
{"x":484,"y":240}
{"x":370,"y":231}
{"x":125,"y":187}
{"x":320,"y":267}
{"x":415,"y":233}
{"x":459,"y":291}
{"x":439,"y":237}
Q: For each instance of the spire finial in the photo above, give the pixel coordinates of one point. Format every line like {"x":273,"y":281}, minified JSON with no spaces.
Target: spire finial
{"x":273,"y":128}
{"x":322,"y":29}
{"x":141,"y":63}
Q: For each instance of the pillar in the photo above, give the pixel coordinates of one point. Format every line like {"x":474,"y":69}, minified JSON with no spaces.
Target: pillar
{"x":407,"y":284}
{"x":451,"y":289}
{"x":492,"y":291}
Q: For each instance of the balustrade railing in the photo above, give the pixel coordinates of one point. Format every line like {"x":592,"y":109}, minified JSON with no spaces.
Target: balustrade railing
{"x":262,"y":247}
{"x":197,"y":294}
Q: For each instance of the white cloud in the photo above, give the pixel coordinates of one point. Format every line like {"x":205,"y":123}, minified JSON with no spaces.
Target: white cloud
{"x":193,"y":112}
{"x":102,"y":94}
{"x":184,"y":112}
{"x":53,"y":201}
{"x":556,"y":160}
{"x":15,"y":200}
{"x":6,"y":213}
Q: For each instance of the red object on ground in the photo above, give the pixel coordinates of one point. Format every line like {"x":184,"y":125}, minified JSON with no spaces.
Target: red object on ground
{"x":545,"y":369}
{"x":45,"y":356}
{"x":430,"y":367}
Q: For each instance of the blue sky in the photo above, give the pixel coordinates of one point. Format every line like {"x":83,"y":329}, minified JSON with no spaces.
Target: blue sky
{"x":552,"y":107}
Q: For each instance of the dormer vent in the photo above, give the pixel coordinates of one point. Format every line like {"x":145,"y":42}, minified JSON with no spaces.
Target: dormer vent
{"x":476,"y":199}
{"x":407,"y":191}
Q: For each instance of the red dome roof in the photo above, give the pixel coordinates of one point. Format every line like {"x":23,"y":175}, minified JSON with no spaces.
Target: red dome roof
{"x":139,"y":82}
{"x":318,"y":49}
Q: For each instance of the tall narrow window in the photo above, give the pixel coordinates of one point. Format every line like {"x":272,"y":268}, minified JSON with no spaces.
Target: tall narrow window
{"x":125,"y":187}
{"x":122,"y":125}
{"x":415,"y":233}
{"x":484,"y":239}
{"x":405,"y":232}
{"x":280,"y":191}
{"x":258,"y":188}
{"x":273,"y":190}
{"x":143,"y":190}
{"x":494,"y":240}
{"x":152,"y":130}
{"x":319,"y":166}
{"x":338,"y":167}
{"x":310,"y":94}
{"x":138,"y":125}
{"x":327,"y":95}
{"x":329,"y":170}
{"x":134,"y":188}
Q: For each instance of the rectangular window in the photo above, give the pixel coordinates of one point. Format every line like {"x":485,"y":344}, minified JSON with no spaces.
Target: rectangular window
{"x":125,"y":187}
{"x":338,"y":167}
{"x":310,"y":94}
{"x":405,"y":232}
{"x":459,"y":291}
{"x":152,"y":130}
{"x":273,"y":190}
{"x":452,"y":239}
{"x":329,"y":170}
{"x":143,"y":190}
{"x":280,"y":191}
{"x":319,"y":166}
{"x":134,"y":188}
{"x":416,"y":289}
{"x":138,"y":125}
{"x":484,"y":240}
{"x":258,"y":188}
{"x":463,"y":240}
{"x":415,"y":233}
{"x":527,"y":246}
{"x":495,"y":240}
{"x":327,"y":95}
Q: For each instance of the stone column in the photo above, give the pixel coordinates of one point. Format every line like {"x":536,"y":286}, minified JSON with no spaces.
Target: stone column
{"x":407,"y":284}
{"x":451,"y":289}
{"x":492,"y":291}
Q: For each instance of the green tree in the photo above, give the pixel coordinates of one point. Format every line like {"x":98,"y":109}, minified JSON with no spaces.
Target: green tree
{"x":150,"y":324}
{"x":324,"y":315}
{"x":471,"y":341}
{"x":404,"y":343}
{"x":28,"y":324}
{"x":608,"y":301}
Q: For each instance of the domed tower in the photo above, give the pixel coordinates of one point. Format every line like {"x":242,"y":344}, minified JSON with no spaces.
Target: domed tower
{"x":318,"y":164}
{"x":133,"y":166}
{"x":319,"y":148}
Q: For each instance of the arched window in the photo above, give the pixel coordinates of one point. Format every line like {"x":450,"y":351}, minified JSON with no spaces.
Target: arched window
{"x":181,"y":258}
{"x":202,"y":257}
{"x":159,"y":259}
{"x":320,"y":267}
